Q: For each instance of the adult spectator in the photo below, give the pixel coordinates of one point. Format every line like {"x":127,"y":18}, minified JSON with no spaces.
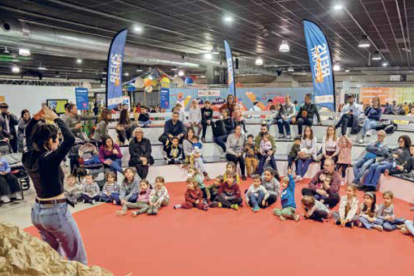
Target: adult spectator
{"x":172,"y":128}
{"x":140,"y":150}
{"x":238,"y":117}
{"x":395,"y":108}
{"x":110,"y":154}
{"x":255,"y":108}
{"x":330,"y":148}
{"x":269,"y":104}
{"x":101,"y":130}
{"x":223,"y":128}
{"x":372,"y":118}
{"x":264,"y":130}
{"x":23,"y":122}
{"x":206,"y":119}
{"x":284,"y":117}
{"x":194,"y":117}
{"x":350,"y":114}
{"x":95,"y":109}
{"x":64,"y":115}
{"x":396,"y":161}
{"x":234,"y":145}
{"x":9,"y":185}
{"x":9,"y":122}
{"x":230,"y":105}
{"x":374,"y":150}
{"x":73,"y":121}
{"x":325,"y":185}
{"x":388,"y":109}
{"x":307,"y":153}
{"x":306,"y":113}
{"x":124,"y":128}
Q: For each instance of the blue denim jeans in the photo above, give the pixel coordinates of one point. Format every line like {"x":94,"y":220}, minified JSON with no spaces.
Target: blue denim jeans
{"x":391,"y":225}
{"x":367,"y":224}
{"x":58,"y":228}
{"x":410,"y":226}
{"x":115,"y":196}
{"x":368,"y":124}
{"x":375,"y":172}
{"x":116,"y":165}
{"x":256,"y":200}
{"x":284,"y":123}
{"x":303,"y":166}
{"x":360,"y":167}
{"x":93,"y":161}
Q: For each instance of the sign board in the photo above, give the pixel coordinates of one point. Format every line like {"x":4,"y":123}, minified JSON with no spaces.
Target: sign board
{"x":165,"y":98}
{"x":209,"y":93}
{"x":82,"y":99}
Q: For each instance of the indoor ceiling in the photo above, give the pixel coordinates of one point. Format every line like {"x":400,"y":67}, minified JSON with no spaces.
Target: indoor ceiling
{"x":193,"y":27}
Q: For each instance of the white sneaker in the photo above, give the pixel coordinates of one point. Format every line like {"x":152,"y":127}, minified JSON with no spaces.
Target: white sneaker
{"x":289,"y":137}
{"x":5,"y":199}
{"x":361,"y":141}
{"x":368,"y":134}
{"x":298,"y":177}
{"x":281,"y":136}
{"x":17,"y":196}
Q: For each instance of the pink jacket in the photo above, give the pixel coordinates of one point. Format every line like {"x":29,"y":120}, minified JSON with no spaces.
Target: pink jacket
{"x":344,"y":156}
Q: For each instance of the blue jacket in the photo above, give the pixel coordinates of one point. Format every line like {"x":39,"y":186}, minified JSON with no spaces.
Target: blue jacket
{"x":4,"y":166}
{"x":288,"y":194}
{"x":373,"y":113}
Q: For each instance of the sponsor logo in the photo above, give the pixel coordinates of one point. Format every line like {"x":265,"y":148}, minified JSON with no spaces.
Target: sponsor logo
{"x":230,"y":71}
{"x":321,"y":62}
{"x":115,"y":69}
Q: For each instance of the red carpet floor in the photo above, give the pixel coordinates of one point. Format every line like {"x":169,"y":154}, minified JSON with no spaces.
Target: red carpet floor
{"x":228,"y":242}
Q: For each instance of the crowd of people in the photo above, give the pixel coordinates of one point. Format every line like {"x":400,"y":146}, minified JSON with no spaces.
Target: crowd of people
{"x":45,"y":145}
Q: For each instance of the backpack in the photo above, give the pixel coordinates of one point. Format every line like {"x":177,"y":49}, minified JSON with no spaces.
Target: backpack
{"x":388,"y":126}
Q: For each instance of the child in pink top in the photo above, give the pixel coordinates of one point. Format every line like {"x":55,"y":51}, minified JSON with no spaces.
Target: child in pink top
{"x":344,"y":155}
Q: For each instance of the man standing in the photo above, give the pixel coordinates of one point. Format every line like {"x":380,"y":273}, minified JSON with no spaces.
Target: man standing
{"x":140,"y":150}
{"x":172,"y":128}
{"x":9,"y":122}
{"x":73,"y":121}
{"x":375,"y":149}
{"x":325,"y":185}
{"x":306,"y":113}
{"x":350,"y":114}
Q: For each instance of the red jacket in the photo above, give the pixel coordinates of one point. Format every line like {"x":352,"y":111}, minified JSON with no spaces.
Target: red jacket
{"x":193,"y":195}
{"x":230,"y":191}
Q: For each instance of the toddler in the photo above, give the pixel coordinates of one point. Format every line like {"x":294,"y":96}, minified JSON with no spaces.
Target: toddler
{"x":314,"y":209}
{"x":229,"y":193}
{"x":159,"y":196}
{"x":348,"y":208}
{"x":193,"y":197}
{"x":251,"y":159}
{"x":256,"y":194}
{"x":368,"y":212}
{"x":90,"y":190}
{"x":386,"y":215}
{"x":288,"y":210}
{"x":110,"y":187}
{"x":73,"y":190}
{"x":142,"y":200}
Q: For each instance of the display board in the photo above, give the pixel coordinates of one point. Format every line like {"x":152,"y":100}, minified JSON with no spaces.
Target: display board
{"x":57,"y":104}
{"x":387,"y":94}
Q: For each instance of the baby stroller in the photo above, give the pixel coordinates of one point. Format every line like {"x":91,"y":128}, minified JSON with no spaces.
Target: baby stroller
{"x":88,"y":160}
{"x":17,"y":168}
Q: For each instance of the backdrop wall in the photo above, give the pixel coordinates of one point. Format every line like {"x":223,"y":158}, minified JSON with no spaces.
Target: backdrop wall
{"x":21,"y":97}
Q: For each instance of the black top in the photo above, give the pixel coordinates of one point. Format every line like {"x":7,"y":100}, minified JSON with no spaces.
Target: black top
{"x":140,"y":149}
{"x":206,"y":114}
{"x":311,"y":109}
{"x":44,"y":166}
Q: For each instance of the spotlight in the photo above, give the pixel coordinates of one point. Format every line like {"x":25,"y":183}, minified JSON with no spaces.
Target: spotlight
{"x":338,"y":7}
{"x":24,"y":52}
{"x":337,"y":67}
{"x":259,"y":61}
{"x":208,"y":56}
{"x":15,"y":69}
{"x":181,"y":73}
{"x":137,"y":29}
{"x":284,"y":47}
{"x":79,"y":61}
{"x":228,"y":19}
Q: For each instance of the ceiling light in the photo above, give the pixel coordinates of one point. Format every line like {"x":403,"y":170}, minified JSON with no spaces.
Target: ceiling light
{"x":41,"y":68}
{"x":284,"y":47}
{"x":290,"y":69}
{"x":126,"y":74}
{"x":259,"y":61}
{"x":174,"y":69}
{"x":376,"y":56}
{"x":347,"y":70}
{"x":208,"y":56}
{"x":15,"y":69}
{"x":337,"y":67}
{"x":228,"y":19}
{"x":338,"y":7}
{"x":181,"y":73}
{"x":385,"y":64}
{"x":24,"y":52}
{"x":80,"y":70}
{"x":6,"y":51}
{"x":79,"y":61}
{"x":139,"y":70}
{"x":215,"y":50}
{"x":137,"y":29}
{"x":364,"y":42}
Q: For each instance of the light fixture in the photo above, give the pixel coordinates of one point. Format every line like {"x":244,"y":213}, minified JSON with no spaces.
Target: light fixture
{"x":338,"y":7}
{"x":79,"y":70}
{"x":126,"y":74}
{"x":290,"y":69}
{"x":337,"y":67}
{"x":6,"y":51}
{"x":364,"y":42}
{"x":139,"y":70}
{"x":41,"y":68}
{"x":174,"y":69}
{"x":347,"y":70}
{"x":137,"y":29}
{"x":384,"y":64}
{"x":79,"y":61}
{"x":57,"y":75}
{"x":15,"y":69}
{"x":376,"y":56}
{"x":175,"y":75}
{"x":215,"y":50}
{"x":181,"y":73}
{"x":284,"y":47}
{"x":208,"y":56}
{"x":24,"y":52}
{"x":259,"y":61}
{"x":150,"y":77}
{"x":228,"y":19}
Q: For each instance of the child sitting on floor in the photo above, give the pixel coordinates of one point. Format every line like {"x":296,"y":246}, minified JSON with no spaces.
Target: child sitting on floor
{"x":229,"y":193}
{"x":344,"y":155}
{"x":193,"y":197}
{"x":288,"y":210}
{"x":213,"y":189}
{"x":270,"y":181}
{"x":231,"y":169}
{"x":368,"y":211}
{"x":251,"y":158}
{"x":256,"y":194}
{"x":159,"y":196}
{"x":129,"y":188}
{"x":174,"y":151}
{"x":73,"y":190}
{"x":193,"y":173}
{"x":110,"y":187}
{"x":90,"y":190}
{"x":142,"y":200}
{"x":348,"y":208}
{"x":314,"y":209}
{"x":386,"y":215}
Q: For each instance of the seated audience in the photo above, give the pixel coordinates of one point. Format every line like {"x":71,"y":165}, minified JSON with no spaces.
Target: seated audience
{"x":306,"y":113}
{"x":284,"y":118}
{"x":251,"y":157}
{"x":293,"y":153}
{"x":368,"y":213}
{"x":307,"y":153}
{"x":386,"y":213}
{"x":142,"y":200}
{"x":173,"y":151}
{"x":111,"y":186}
{"x":110,"y":155}
{"x":330,"y":147}
{"x":129,"y":189}
{"x":256,"y":194}
{"x":144,"y":117}
{"x":372,"y":117}
{"x":229,"y":193}
{"x":73,"y":189}
{"x":235,"y":143}
{"x":288,"y":210}
{"x":193,"y":197}
{"x":140,"y":150}
{"x":91,"y":190}
{"x":314,"y":209}
{"x":172,"y":128}
{"x":213,"y":190}
{"x":270,"y":180}
{"x":348,"y":208}
{"x":350,"y":114}
{"x":264,"y":131}
{"x":9,"y":184}
{"x":159,"y":196}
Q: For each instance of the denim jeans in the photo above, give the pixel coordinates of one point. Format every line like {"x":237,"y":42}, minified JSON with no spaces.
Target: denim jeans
{"x":367,"y":224}
{"x":284,"y":123}
{"x":374,"y":173}
{"x":360,"y":167}
{"x":263,"y":164}
{"x":410,"y":226}
{"x":93,"y":161}
{"x":115,"y":196}
{"x":221,"y":141}
{"x":144,"y":123}
{"x":303,"y":121}
{"x":58,"y":228}
{"x":255,"y":200}
{"x":391,"y":225}
{"x":303,"y":165}
{"x":368,"y":124}
{"x":116,"y":165}
{"x":345,"y":122}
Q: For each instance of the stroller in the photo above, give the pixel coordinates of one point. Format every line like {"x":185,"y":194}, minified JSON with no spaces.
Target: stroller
{"x":17,"y":168}
{"x":86,"y":153}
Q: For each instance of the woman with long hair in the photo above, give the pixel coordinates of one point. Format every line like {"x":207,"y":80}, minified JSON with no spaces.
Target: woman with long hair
{"x":42,"y":158}
{"x":234,"y":149}
{"x":307,"y":153}
{"x":124,"y":127}
{"x":101,"y":130}
{"x":330,"y":147}
{"x":110,"y":154}
{"x":372,"y":118}
{"x":21,"y":126}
